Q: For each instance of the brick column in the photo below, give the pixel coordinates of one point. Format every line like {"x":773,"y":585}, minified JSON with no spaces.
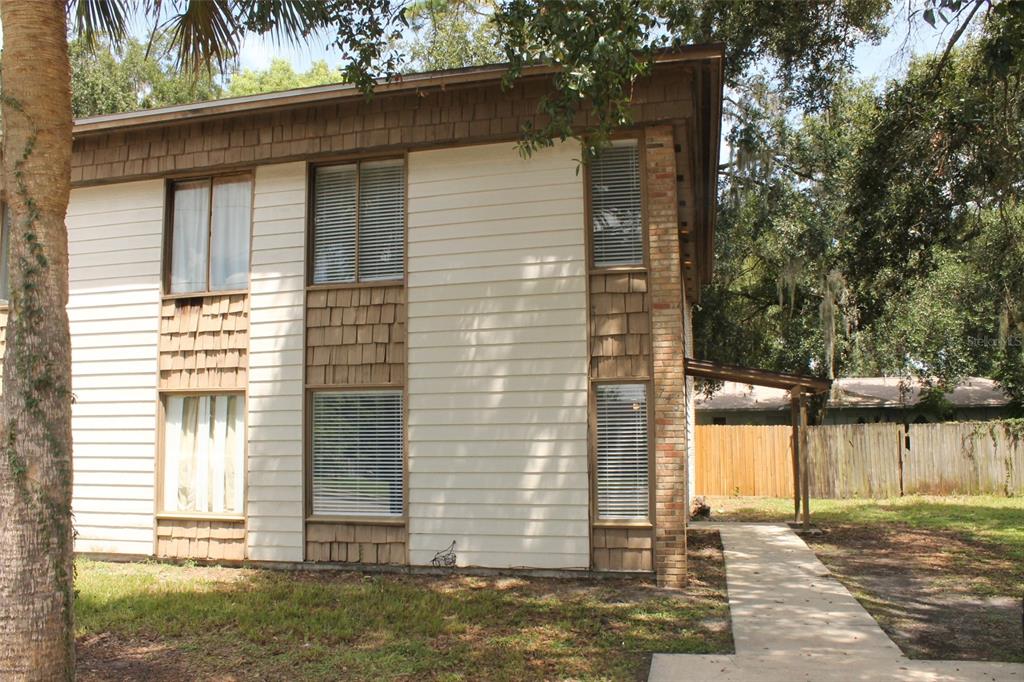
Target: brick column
{"x":666,"y":291}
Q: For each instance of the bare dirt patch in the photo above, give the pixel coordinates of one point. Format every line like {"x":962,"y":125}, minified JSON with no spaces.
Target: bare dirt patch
{"x":937,"y":594}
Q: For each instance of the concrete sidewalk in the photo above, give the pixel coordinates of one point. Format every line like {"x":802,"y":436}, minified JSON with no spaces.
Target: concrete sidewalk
{"x":792,"y":621}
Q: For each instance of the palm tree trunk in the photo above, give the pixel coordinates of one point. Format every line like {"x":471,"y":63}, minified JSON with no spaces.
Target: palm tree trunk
{"x":36,"y":593}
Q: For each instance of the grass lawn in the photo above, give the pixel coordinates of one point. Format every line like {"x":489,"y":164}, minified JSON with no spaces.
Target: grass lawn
{"x":156,"y":621}
{"x":944,"y":576}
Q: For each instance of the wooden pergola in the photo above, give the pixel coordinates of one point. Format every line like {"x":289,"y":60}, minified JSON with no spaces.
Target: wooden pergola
{"x":800,"y":388}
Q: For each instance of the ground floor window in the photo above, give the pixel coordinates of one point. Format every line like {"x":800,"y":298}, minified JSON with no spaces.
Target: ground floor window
{"x":357,"y":453}
{"x":623,"y":457}
{"x":204,"y":454}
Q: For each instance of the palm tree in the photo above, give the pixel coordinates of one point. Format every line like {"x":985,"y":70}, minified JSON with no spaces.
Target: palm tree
{"x":36,"y":534}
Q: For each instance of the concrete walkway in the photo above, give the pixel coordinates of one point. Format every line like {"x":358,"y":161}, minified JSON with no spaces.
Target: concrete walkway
{"x":793,"y":622}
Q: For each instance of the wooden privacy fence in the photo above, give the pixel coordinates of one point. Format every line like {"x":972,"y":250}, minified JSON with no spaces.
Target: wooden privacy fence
{"x":862,"y":460}
{"x":744,"y":460}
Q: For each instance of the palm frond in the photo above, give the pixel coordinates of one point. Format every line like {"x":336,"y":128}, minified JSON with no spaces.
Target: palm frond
{"x":95,"y":17}
{"x":204,"y":32}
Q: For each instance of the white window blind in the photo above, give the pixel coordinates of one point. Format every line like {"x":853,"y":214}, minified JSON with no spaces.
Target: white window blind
{"x":381,"y":220}
{"x":359,"y":222}
{"x":334,"y":224}
{"x":357,"y":453}
{"x":622,"y":452}
{"x":204,"y":447}
{"x":212,"y":221}
{"x":5,"y":255}
{"x":615,"y":205}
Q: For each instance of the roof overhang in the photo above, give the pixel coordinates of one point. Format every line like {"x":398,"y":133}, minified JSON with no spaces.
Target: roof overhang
{"x":707,"y":369}
{"x":324,"y":93}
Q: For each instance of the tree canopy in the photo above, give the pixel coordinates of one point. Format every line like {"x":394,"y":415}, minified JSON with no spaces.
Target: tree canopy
{"x":280,"y":75}
{"x":882,"y":235}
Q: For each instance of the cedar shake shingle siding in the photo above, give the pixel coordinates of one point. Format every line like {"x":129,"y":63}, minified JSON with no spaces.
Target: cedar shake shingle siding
{"x":204,"y":342}
{"x":355,"y":336}
{"x":455,"y":115}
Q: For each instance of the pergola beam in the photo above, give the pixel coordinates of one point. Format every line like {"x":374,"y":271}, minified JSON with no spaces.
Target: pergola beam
{"x":707,"y":369}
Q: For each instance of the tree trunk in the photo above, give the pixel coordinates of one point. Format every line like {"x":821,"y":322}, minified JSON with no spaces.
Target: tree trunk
{"x":36,"y":593}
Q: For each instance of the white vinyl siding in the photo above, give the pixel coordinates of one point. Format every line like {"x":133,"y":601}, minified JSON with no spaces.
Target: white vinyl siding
{"x":359,"y":222}
{"x":497,"y":386}
{"x":357,"y":453}
{"x":114,"y":243}
{"x":623,"y":456}
{"x":616,"y":206}
{"x":274,"y":527}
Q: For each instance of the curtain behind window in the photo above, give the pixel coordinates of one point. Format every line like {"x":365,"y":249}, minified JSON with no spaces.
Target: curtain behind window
{"x":189,"y":236}
{"x":203,"y":454}
{"x":229,"y":248}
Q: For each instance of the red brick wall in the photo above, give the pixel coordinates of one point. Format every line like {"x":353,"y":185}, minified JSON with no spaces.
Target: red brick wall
{"x":667,"y":336}
{"x":453,"y":115}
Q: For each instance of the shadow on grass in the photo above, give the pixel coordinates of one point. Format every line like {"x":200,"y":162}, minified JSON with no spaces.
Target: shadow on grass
{"x":353,"y":626}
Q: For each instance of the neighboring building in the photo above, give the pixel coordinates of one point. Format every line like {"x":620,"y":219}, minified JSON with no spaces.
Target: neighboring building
{"x":856,"y":400}
{"x":311,"y":327}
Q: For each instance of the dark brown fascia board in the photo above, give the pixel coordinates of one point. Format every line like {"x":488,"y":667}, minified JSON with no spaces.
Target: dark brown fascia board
{"x":759,"y":377}
{"x":324,"y":93}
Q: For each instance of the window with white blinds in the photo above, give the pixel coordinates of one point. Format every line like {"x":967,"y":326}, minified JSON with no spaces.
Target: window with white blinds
{"x":622,"y":451}
{"x":359,"y":222}
{"x":615,"y":206}
{"x":357,"y":453}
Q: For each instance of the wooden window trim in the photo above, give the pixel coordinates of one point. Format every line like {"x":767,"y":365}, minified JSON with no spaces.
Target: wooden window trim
{"x":588,"y":210}
{"x":168,"y":236}
{"x":357,"y":161}
{"x":307,"y":458}
{"x":161,"y":459}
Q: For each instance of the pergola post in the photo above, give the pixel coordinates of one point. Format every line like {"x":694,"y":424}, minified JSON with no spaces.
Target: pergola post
{"x":805,"y":478}
{"x":794,"y":406}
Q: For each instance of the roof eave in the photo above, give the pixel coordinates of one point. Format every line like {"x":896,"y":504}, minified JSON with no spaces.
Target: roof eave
{"x":323,"y":93}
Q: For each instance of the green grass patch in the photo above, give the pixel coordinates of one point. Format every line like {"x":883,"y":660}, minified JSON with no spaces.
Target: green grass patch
{"x":339,"y":625}
{"x":987,"y":518}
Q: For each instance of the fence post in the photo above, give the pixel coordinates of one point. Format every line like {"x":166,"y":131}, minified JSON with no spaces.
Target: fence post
{"x":901,"y":441}
{"x":805,"y":473}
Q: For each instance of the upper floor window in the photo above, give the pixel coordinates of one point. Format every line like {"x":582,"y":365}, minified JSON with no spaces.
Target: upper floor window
{"x":210,"y":230}
{"x":359,"y":222}
{"x":5,"y":248}
{"x":616,"y":206}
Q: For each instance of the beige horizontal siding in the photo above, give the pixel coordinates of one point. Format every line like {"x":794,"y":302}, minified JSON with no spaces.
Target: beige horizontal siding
{"x":275,"y":515}
{"x":114,"y":238}
{"x":497,"y":358}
